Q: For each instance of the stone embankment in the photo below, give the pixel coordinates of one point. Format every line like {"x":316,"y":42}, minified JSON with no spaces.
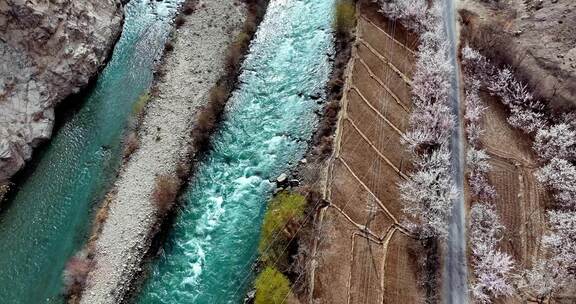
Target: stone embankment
{"x":48,"y":50}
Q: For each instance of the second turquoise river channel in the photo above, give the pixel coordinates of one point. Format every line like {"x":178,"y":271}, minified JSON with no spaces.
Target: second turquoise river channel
{"x":49,"y":216}
{"x":209,"y":254}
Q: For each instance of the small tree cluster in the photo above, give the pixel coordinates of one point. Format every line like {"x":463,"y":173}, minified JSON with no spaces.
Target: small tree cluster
{"x":272,"y":287}
{"x":428,"y":192}
{"x":476,"y":157}
{"x":492,"y":267}
{"x":525,"y":112}
{"x":474,"y":111}
{"x":345,"y":17}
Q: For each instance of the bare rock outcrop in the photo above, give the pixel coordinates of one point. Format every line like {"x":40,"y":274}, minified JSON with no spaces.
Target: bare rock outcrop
{"x":536,"y":37}
{"x":48,"y":50}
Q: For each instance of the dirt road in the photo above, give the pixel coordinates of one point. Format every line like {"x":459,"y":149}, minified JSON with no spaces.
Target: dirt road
{"x":455,"y":287}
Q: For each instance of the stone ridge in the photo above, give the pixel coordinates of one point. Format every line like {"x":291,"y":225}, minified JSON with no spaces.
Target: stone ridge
{"x":48,"y":50}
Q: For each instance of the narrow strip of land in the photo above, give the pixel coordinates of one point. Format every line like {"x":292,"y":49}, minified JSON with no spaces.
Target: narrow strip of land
{"x":191,"y":69}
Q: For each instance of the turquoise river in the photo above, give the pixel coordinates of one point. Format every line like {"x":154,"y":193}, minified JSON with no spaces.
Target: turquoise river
{"x":47,"y":219}
{"x":208,"y":256}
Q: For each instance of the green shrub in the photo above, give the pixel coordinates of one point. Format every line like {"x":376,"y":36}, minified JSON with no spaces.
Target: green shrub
{"x":345,"y":17}
{"x":140,"y":104}
{"x":284,"y":208}
{"x":272,"y":287}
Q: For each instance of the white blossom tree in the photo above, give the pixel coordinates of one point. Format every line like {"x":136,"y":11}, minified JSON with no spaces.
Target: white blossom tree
{"x":428,"y":193}
{"x":557,"y":270}
{"x":561,"y":242}
{"x":431,"y":126}
{"x":492,"y":267}
{"x":541,"y":281}
{"x":557,"y":141}
{"x":411,"y":12}
{"x":477,"y":160}
{"x":560,"y":176}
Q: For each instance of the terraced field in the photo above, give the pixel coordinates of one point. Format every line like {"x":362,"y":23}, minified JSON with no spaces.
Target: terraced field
{"x":364,"y":254}
{"x":521,"y":200}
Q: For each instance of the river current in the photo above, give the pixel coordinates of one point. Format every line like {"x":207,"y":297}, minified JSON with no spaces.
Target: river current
{"x":209,"y":254}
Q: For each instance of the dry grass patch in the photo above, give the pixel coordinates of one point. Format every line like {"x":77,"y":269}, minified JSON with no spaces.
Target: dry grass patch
{"x":189,"y":7}
{"x":179,"y":21}
{"x":165,"y":191}
{"x":131,"y":144}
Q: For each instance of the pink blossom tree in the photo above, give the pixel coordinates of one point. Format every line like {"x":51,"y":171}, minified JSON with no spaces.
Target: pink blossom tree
{"x":560,"y":176}
{"x":410,"y":12}
{"x":557,"y":141}
{"x":477,"y":160}
{"x":557,"y":270}
{"x":492,"y":267}
{"x":427,"y":195}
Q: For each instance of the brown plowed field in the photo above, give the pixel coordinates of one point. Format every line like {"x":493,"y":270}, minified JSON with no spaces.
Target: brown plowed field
{"x":396,"y":84}
{"x":332,"y":278}
{"x":366,"y":271}
{"x":521,"y":200}
{"x":363,"y":254}
{"x":347,"y":192}
{"x":387,"y":46}
{"x":398,"y":283}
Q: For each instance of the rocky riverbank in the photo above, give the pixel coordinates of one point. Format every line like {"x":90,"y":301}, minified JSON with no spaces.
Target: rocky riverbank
{"x":195,"y":60}
{"x":48,"y":50}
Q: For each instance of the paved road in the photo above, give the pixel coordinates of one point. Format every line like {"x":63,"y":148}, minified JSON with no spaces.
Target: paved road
{"x":455,"y":271}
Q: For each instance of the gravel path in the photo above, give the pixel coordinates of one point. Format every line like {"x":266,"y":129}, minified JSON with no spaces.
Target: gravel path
{"x":191,"y":70}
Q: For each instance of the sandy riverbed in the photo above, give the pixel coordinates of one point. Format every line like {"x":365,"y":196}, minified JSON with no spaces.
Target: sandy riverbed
{"x":192,"y":68}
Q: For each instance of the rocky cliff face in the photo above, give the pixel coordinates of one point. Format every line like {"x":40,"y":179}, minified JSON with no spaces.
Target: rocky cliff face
{"x":48,"y":50}
{"x":537,"y":37}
